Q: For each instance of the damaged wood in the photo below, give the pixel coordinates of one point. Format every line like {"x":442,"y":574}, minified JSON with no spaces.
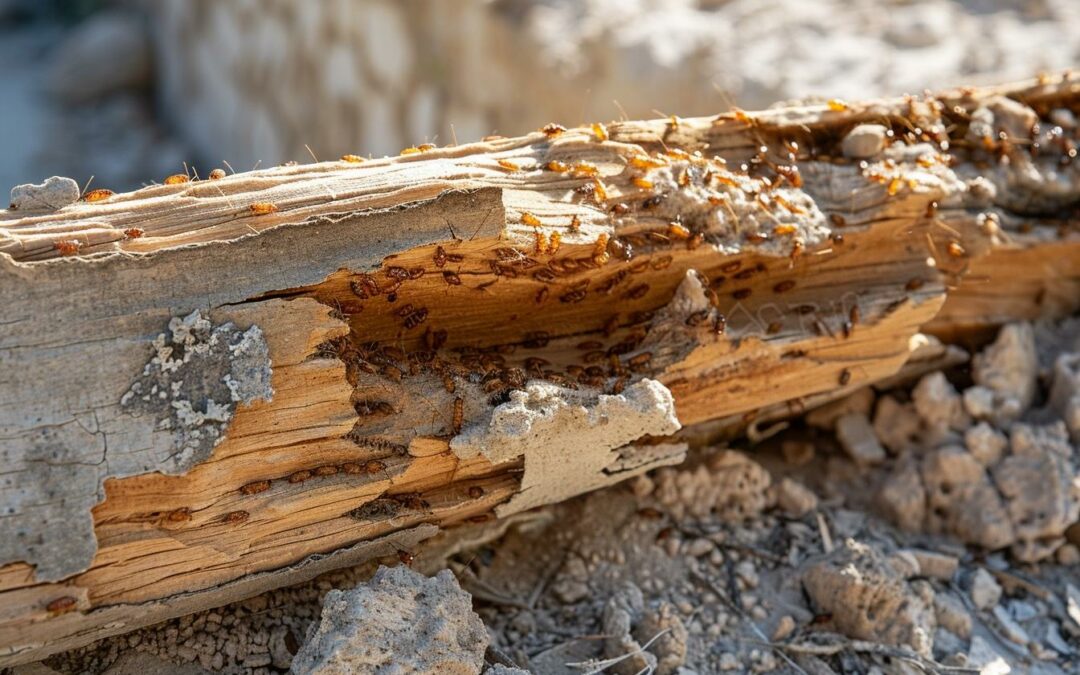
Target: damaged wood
{"x":207,"y":382}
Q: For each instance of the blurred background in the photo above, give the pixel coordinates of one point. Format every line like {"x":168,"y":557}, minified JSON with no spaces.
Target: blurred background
{"x":130,"y":90}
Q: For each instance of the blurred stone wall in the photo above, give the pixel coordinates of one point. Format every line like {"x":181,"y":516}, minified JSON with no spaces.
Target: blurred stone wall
{"x":251,"y":80}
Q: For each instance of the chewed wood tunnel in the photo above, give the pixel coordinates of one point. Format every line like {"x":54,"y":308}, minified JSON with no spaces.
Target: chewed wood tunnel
{"x":211,"y":387}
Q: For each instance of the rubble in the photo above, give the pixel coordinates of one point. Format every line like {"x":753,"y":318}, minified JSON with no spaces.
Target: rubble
{"x":1009,"y":368}
{"x":857,"y":438}
{"x":52,"y":195}
{"x":985,"y":590}
{"x":868,"y":600}
{"x":400,"y":619}
{"x":728,"y":485}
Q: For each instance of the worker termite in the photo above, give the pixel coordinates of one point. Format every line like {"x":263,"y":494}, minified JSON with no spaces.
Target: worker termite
{"x":555,"y":243}
{"x":61,"y":605}
{"x":837,"y":220}
{"x":620,"y":209}
{"x":600,"y":131}
{"x":426,"y":147}
{"x":352,"y":468}
{"x":326,"y":470}
{"x":67,"y":246}
{"x":365,"y":286}
{"x":773,"y":328}
{"x":459,"y":415}
{"x":837,"y":105}
{"x":599,"y":190}
{"x":451,"y":278}
{"x":576,"y":293}
{"x":352,"y":159}
{"x":299,"y":476}
{"x":406,"y":557}
{"x":410,"y":151}
{"x":177,"y":179}
{"x":529,"y":219}
{"x":397,"y":273}
{"x":134,"y":232}
{"x":585,"y":169}
{"x":262,"y":208}
{"x":217,"y":174}
{"x":552,"y":129}
{"x":97,"y":195}
{"x":374,"y":466}
{"x":540,"y":243}
{"x":439,"y":256}
{"x":557,"y":166}
{"x":845,"y":377}
{"x":476,"y":492}
{"x":720,"y":324}
{"x":542,"y":295}
{"x":914,"y":284}
{"x":955,"y":249}
{"x":678,"y":231}
{"x":643,"y":183}
{"x":797,"y":247}
{"x":255,"y":488}
{"x":575,"y":224}
{"x":742,"y":294}
{"x":661,"y":263}
{"x":600,"y":255}
{"x":784,"y":286}
{"x":235,"y":517}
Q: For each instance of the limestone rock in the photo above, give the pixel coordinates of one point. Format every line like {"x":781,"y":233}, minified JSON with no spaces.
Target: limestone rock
{"x":985,"y":590}
{"x":896,"y":424}
{"x":52,"y":195}
{"x":864,"y":141}
{"x":868,"y":600}
{"x":857,"y":438}
{"x":1009,"y":368}
{"x":400,"y":618}
{"x":1041,"y":490}
{"x":962,"y":502}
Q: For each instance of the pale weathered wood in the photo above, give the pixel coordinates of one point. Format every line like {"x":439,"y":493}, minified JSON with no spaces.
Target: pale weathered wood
{"x":398,"y":302}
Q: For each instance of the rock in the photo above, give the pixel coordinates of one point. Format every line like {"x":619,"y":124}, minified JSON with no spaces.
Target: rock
{"x":985,"y":443}
{"x":904,"y":564}
{"x":1038,"y":482}
{"x":985,"y":658}
{"x":699,"y":547}
{"x":935,"y":565}
{"x":979,"y":402}
{"x":864,"y":141}
{"x":400,"y":618}
{"x":500,"y":669}
{"x":729,"y":661}
{"x":939,"y":406}
{"x":868,"y":600}
{"x":962,"y":502}
{"x":1009,"y":627}
{"x":1065,"y":393}
{"x":143,"y":663}
{"x":670,"y":649}
{"x":824,"y":417}
{"x":896,"y":425}
{"x":985,"y":590}
{"x":952,"y":615}
{"x":1009,"y":368}
{"x":856,"y":437}
{"x":621,"y":612}
{"x":108,"y":52}
{"x":729,"y":485}
{"x":1068,"y":554}
{"x":784,"y":628}
{"x":52,"y":195}
{"x":903,"y":497}
{"x":794,"y":498}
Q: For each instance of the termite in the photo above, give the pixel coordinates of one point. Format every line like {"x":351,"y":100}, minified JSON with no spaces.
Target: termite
{"x":784,"y":286}
{"x":575,"y":224}
{"x":179,"y":515}
{"x":845,"y":377}
{"x":529,"y":219}
{"x":552,"y":129}
{"x":476,"y":492}
{"x":459,"y":415}
{"x":508,"y":165}
{"x":643,"y":183}
{"x":299,"y":476}
{"x":61,"y":605}
{"x":600,"y":255}
{"x":217,"y":174}
{"x":256,"y":487}
{"x":134,"y":232}
{"x":177,"y":179}
{"x":451,"y":278}
{"x":326,"y":470}
{"x":97,"y":195}
{"x":262,"y":208}
{"x":600,"y":131}
{"x":67,"y":246}
{"x":352,"y":159}
{"x":236,"y":517}
{"x":837,"y":105}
